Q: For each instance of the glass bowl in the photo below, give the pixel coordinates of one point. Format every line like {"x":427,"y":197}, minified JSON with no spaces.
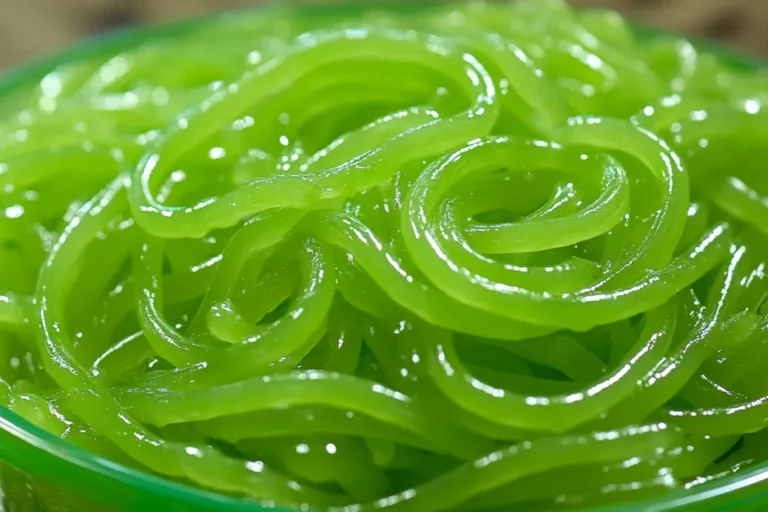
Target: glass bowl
{"x":39,"y":468}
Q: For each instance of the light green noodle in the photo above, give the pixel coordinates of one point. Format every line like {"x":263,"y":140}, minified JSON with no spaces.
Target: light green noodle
{"x":502,"y":256}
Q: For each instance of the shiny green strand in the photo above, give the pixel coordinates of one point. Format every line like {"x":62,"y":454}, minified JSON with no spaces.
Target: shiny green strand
{"x":493,"y":256}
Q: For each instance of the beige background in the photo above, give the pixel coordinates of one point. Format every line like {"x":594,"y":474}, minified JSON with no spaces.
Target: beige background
{"x":29,"y":28}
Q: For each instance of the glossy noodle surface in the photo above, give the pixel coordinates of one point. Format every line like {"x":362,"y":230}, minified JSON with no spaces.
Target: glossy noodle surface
{"x":476,"y":257}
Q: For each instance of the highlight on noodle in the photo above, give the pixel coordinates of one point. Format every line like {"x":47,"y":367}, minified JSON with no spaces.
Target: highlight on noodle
{"x":474,"y":257}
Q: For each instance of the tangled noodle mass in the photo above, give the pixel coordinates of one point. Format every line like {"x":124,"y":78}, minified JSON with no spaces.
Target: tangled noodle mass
{"x":474,"y":257}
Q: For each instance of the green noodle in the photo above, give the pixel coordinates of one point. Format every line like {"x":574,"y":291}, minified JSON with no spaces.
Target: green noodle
{"x":502,"y":256}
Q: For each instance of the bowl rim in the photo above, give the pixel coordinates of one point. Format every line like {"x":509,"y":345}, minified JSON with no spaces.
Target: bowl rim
{"x":41,"y":454}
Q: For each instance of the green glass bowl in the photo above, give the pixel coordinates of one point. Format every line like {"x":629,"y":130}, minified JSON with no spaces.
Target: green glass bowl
{"x":36,"y":466}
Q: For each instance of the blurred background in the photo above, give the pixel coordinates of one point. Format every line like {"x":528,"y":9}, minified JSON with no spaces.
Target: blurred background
{"x":30,"y":28}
